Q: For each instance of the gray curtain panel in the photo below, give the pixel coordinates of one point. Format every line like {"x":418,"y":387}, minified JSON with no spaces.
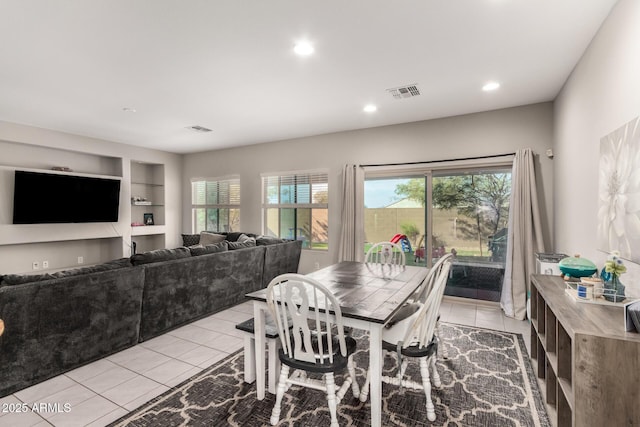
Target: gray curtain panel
{"x":352,"y":205}
{"x":524,"y":238}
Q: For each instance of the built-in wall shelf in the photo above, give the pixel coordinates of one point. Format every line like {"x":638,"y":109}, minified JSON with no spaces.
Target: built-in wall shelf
{"x":148,"y":242}
{"x":151,"y":184}
{"x":587,"y":363}
{"x":147,"y":199}
{"x":147,"y":230}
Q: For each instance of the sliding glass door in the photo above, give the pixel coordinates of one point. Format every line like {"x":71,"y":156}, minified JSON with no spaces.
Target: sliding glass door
{"x":461,"y":211}
{"x":391,"y":215}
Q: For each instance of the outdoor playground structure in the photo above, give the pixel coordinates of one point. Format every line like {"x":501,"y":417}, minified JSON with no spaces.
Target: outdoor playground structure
{"x":403,"y":241}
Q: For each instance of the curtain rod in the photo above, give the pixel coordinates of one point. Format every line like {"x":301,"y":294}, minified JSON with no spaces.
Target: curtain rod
{"x":440,"y":161}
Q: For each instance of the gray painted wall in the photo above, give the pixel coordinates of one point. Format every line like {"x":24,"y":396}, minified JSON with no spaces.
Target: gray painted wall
{"x":602,"y":94}
{"x":488,"y":133}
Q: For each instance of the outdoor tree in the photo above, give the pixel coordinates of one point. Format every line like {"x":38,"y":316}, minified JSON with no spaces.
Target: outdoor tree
{"x":483,"y":198}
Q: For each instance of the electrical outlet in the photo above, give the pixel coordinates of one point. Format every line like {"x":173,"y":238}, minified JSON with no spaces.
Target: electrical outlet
{"x":35,"y":265}
{"x":80,"y":260}
{"x":45,"y":264}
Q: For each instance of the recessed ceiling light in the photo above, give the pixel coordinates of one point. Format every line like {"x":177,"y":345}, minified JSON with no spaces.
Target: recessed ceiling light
{"x":370,"y":108}
{"x":129,"y":110}
{"x":303,"y":48}
{"x":490,"y":86}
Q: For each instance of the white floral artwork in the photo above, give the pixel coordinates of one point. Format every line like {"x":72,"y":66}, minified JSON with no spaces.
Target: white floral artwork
{"x":619,"y":192}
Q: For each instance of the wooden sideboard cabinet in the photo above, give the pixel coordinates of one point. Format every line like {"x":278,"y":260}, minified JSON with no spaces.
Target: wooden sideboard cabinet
{"x":588,"y":365}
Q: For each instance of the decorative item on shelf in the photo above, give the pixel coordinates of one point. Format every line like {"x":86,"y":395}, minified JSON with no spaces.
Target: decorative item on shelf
{"x":140,"y":201}
{"x":613,"y":268}
{"x":137,"y":224}
{"x":61,"y":169}
{"x":585,"y":290}
{"x":590,"y":288}
{"x":576,"y":267}
{"x":148,"y":219}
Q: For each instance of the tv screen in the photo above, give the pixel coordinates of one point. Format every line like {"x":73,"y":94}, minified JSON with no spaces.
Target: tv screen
{"x":43,"y":198}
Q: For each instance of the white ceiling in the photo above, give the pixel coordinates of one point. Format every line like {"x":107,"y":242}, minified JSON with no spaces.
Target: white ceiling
{"x":73,"y":65}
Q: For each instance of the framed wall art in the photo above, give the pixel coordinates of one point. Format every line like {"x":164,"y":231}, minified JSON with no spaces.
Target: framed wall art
{"x":619,"y":192}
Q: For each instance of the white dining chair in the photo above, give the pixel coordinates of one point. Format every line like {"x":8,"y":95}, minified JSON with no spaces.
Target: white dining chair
{"x":414,"y":336}
{"x":309,"y":322}
{"x":386,"y":253}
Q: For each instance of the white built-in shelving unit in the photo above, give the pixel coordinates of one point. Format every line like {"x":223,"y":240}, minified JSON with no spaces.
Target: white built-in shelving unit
{"x":147,"y":198}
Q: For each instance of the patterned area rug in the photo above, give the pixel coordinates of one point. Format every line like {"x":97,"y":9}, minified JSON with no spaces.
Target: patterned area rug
{"x":486,"y":381}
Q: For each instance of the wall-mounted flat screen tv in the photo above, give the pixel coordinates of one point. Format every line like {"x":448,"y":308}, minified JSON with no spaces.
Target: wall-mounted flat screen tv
{"x":44,"y":198}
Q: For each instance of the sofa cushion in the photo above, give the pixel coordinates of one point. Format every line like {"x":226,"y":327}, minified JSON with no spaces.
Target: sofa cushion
{"x":208,"y":238}
{"x":19,"y":279}
{"x":268,"y":240}
{"x":160,"y":255}
{"x":249,"y":243}
{"x":213,"y":248}
{"x":190,"y":239}
{"x":106,"y":266}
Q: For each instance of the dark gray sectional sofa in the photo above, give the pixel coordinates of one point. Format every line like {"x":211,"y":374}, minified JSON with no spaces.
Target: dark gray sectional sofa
{"x":55,"y":323}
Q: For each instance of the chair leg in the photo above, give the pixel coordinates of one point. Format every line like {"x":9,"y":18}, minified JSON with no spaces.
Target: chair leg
{"x":403,"y":367}
{"x":364,"y":392}
{"x":331,"y":399}
{"x":426,"y":384}
{"x":282,"y":384}
{"x":352,"y":373}
{"x":434,"y":372}
{"x":441,"y":348}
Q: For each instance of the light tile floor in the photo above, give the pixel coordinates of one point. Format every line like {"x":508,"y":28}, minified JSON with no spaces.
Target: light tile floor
{"x":105,"y":390}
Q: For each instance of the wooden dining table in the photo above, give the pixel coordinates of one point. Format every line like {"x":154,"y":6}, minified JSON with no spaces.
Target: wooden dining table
{"x":369,"y":295}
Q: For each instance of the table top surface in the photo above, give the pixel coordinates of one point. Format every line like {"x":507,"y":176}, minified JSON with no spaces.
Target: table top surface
{"x":367,"y":291}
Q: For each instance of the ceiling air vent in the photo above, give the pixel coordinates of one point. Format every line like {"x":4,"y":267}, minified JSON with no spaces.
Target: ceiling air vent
{"x":402,"y":92}
{"x":197,"y":128}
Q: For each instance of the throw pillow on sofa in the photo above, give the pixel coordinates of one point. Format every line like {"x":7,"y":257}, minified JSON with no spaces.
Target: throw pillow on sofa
{"x":244,"y":238}
{"x":190,"y":239}
{"x":197,"y":250}
{"x":234,"y":236}
{"x":208,"y":238}
{"x":160,"y":255}
{"x":243,"y":241}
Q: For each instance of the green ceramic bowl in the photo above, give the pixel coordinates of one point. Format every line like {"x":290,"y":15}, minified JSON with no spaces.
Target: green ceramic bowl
{"x":575,"y":266}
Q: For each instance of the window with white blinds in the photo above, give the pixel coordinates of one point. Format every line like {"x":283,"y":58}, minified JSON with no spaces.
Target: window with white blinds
{"x":296,"y":206}
{"x":215,"y":204}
